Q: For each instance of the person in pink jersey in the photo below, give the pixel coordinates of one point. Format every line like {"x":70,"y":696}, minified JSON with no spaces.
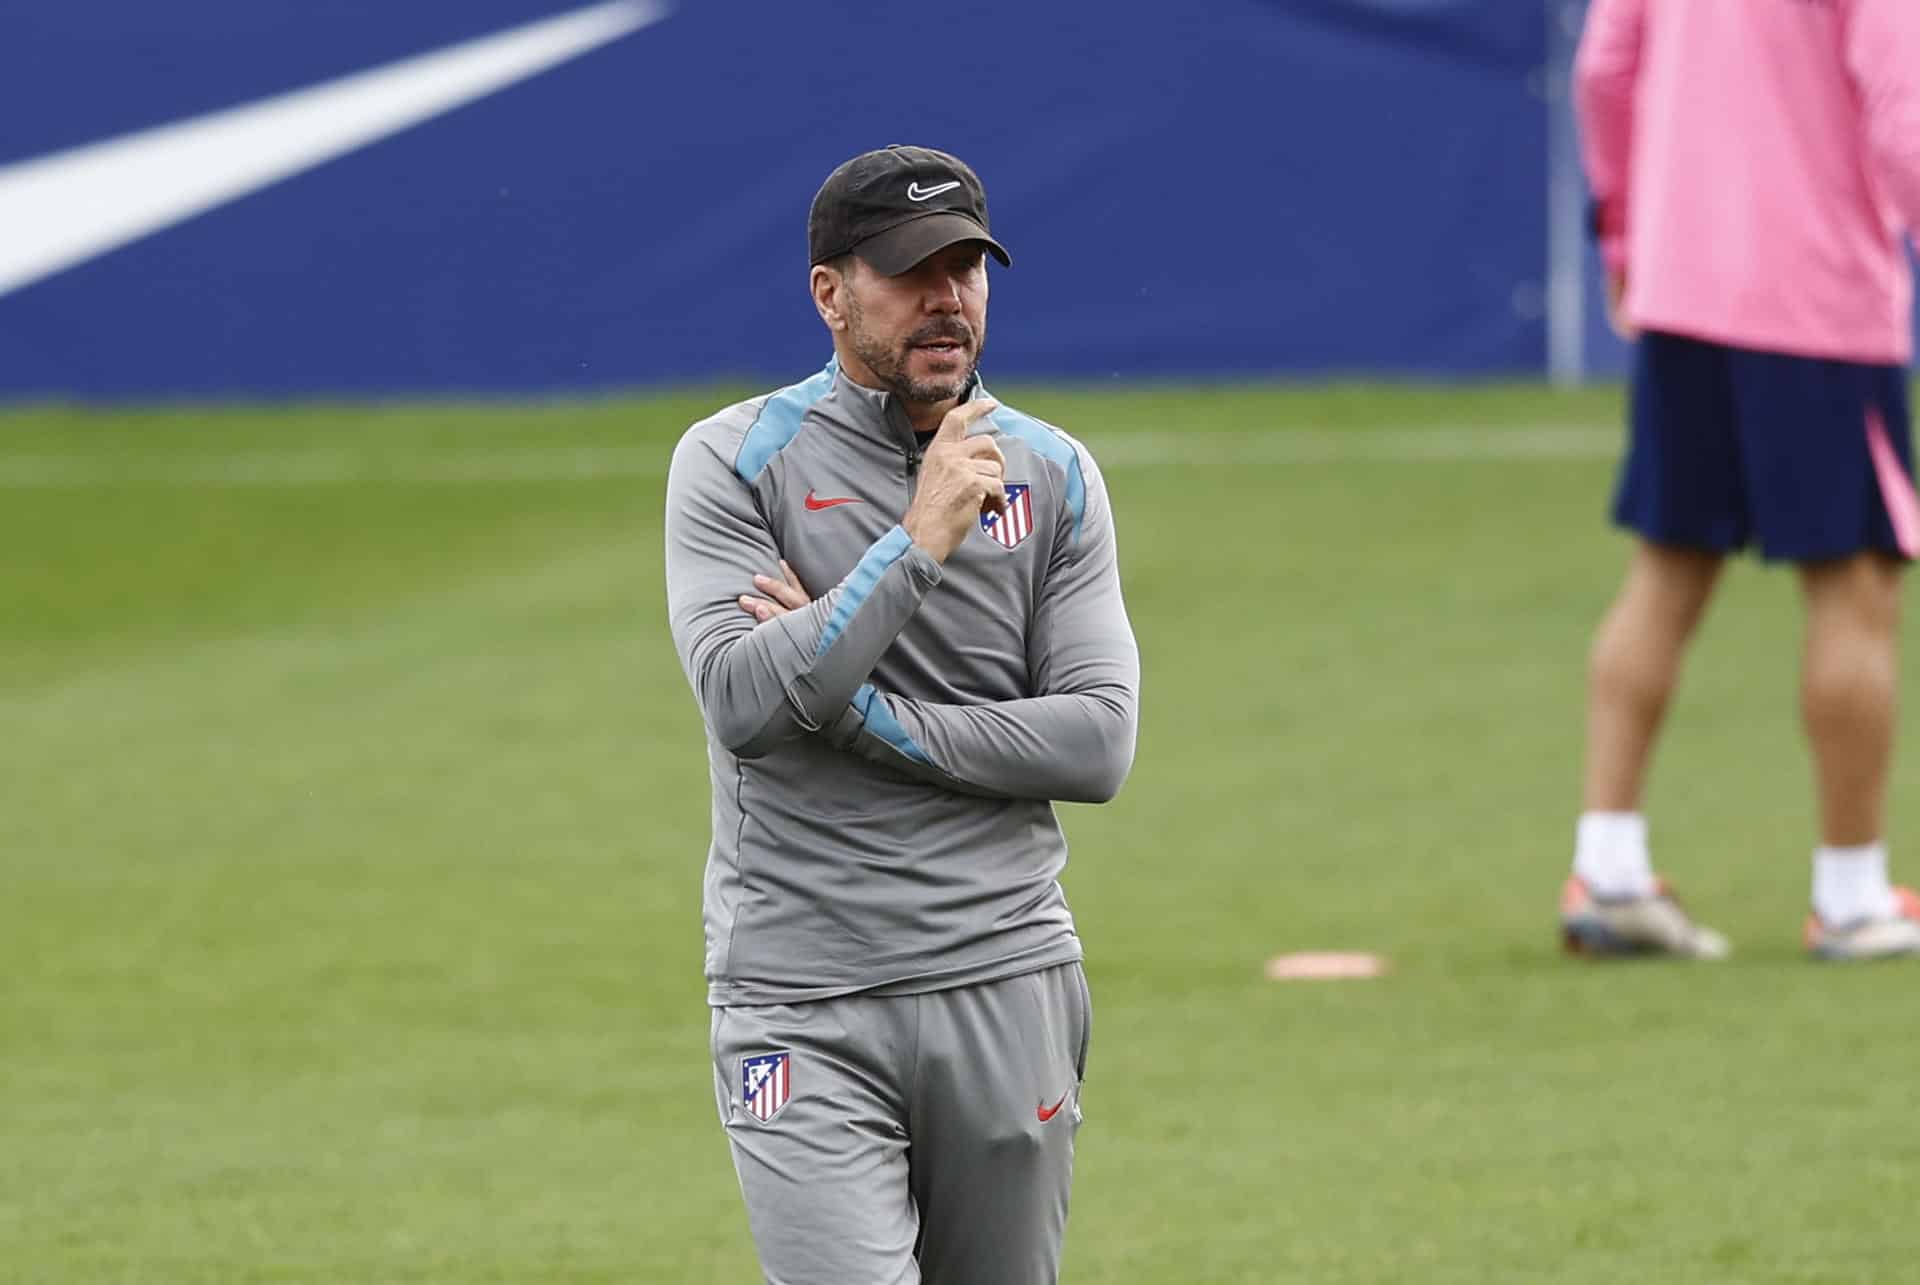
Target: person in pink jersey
{"x":1755,"y":166}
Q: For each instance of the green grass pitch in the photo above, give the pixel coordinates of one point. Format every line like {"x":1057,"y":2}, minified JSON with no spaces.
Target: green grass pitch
{"x":352,"y":812}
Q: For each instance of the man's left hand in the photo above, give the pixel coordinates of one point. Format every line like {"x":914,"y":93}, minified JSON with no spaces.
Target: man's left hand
{"x":782,"y":596}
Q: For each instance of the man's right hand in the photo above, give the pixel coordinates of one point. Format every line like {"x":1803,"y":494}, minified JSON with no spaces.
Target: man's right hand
{"x":961,"y":478}
{"x":1617,"y":307}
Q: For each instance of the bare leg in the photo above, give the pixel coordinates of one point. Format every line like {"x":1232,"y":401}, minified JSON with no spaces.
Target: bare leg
{"x":1848,"y":687}
{"x":1613,"y":904}
{"x":1634,"y":664}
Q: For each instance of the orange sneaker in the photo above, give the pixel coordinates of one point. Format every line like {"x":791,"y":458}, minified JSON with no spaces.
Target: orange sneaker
{"x":1656,"y":925}
{"x":1883,"y":937}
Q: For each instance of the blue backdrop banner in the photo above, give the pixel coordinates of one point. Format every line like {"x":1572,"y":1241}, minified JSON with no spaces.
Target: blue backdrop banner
{"x":263,"y":197}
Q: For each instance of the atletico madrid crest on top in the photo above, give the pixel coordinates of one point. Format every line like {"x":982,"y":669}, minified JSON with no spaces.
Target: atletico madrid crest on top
{"x":1016,"y":524}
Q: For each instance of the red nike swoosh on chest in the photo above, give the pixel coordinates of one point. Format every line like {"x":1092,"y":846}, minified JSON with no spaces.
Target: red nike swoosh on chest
{"x":1047,"y":1113}
{"x":815,"y":504}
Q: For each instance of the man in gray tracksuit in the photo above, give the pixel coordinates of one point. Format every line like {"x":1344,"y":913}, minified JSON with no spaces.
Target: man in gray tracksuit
{"x":900,"y":1016}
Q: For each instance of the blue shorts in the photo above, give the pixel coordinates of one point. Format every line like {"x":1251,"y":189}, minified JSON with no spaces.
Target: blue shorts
{"x":1732,"y":447}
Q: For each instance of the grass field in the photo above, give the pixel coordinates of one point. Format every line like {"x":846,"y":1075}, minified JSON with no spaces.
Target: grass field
{"x":352,"y":812}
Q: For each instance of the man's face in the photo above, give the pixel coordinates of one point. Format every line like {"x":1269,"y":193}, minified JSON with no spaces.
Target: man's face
{"x":921,"y":332}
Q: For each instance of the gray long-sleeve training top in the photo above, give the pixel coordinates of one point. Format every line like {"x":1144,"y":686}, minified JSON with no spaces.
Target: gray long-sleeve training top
{"x":884,"y":761}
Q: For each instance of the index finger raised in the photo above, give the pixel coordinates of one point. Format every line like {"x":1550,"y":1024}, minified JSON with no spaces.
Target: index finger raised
{"x":954,"y":427}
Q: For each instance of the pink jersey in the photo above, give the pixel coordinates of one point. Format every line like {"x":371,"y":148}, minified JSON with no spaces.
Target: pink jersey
{"x":1754,"y":162}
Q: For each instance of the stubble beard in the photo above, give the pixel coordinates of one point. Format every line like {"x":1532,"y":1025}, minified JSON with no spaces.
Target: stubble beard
{"x":889,"y":364}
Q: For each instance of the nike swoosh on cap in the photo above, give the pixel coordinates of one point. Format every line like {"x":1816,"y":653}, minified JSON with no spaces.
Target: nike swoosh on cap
{"x":74,"y":205}
{"x":917,"y":193}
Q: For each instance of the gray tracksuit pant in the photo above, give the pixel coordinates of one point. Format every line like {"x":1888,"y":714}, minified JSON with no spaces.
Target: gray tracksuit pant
{"x":909,"y":1139}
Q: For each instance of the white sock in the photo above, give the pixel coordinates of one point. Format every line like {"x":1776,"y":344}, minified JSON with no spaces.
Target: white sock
{"x":1610,"y":855}
{"x":1850,"y":884}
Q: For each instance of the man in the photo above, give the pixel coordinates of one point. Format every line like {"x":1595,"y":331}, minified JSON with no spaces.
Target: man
{"x":1753,"y":162}
{"x":900,"y":1018}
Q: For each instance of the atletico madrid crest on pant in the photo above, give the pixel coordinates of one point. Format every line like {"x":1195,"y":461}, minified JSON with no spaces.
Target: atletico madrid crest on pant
{"x":1016,"y":524}
{"x":766,"y":1082}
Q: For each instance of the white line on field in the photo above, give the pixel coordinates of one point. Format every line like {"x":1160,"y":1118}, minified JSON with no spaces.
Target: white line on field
{"x":1115,"y":453}
{"x":1316,"y":445}
{"x":330,"y":467}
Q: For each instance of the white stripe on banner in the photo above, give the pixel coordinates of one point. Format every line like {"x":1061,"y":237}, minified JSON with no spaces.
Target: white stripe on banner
{"x":63,"y":209}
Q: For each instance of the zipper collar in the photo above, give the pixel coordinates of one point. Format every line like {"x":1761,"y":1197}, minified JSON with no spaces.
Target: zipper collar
{"x":875,"y":413}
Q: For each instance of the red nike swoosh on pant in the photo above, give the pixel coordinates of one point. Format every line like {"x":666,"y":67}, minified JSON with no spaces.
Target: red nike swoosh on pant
{"x":1047,"y":1113}
{"x":814,"y":505}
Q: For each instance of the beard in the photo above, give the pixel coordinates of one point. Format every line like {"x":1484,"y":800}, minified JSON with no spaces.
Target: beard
{"x":890,"y":363}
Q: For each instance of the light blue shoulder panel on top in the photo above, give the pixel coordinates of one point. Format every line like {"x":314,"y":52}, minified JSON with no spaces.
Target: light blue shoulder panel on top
{"x":779,"y":422}
{"x":1050,"y":446}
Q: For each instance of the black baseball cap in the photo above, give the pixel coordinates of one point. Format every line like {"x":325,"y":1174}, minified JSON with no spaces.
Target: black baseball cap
{"x":896,"y":206}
